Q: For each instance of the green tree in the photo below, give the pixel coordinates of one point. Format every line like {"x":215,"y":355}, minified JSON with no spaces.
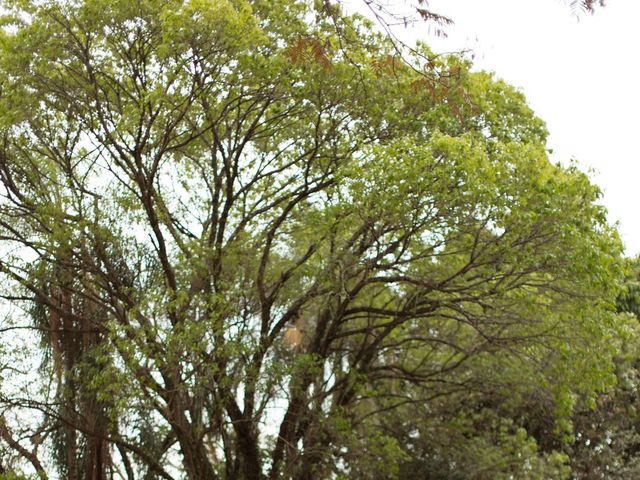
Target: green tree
{"x":522,"y":424}
{"x":606,"y":441}
{"x":240,"y":237}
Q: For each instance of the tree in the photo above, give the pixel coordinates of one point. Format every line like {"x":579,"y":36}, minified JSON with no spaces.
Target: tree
{"x":517,"y":427}
{"x":606,"y":442}
{"x":239,"y":239}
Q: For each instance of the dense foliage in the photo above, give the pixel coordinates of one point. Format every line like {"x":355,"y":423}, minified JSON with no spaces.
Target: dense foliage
{"x":244,"y":240}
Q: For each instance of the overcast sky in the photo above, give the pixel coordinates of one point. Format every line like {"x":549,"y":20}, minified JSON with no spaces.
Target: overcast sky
{"x":582,"y":76}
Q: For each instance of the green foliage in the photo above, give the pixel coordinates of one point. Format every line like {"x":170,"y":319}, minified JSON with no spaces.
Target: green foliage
{"x":257,"y":243}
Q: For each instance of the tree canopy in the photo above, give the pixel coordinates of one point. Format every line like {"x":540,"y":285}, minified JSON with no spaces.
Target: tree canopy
{"x":245,"y":240}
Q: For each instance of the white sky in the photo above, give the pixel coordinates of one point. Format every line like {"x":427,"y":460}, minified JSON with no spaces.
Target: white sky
{"x":581,"y":76}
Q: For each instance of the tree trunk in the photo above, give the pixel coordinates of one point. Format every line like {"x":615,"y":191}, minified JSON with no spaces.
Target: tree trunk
{"x":250,"y":467}
{"x":194,"y":453}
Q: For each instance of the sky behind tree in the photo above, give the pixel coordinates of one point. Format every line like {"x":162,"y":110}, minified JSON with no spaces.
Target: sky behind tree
{"x":580,"y":74}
